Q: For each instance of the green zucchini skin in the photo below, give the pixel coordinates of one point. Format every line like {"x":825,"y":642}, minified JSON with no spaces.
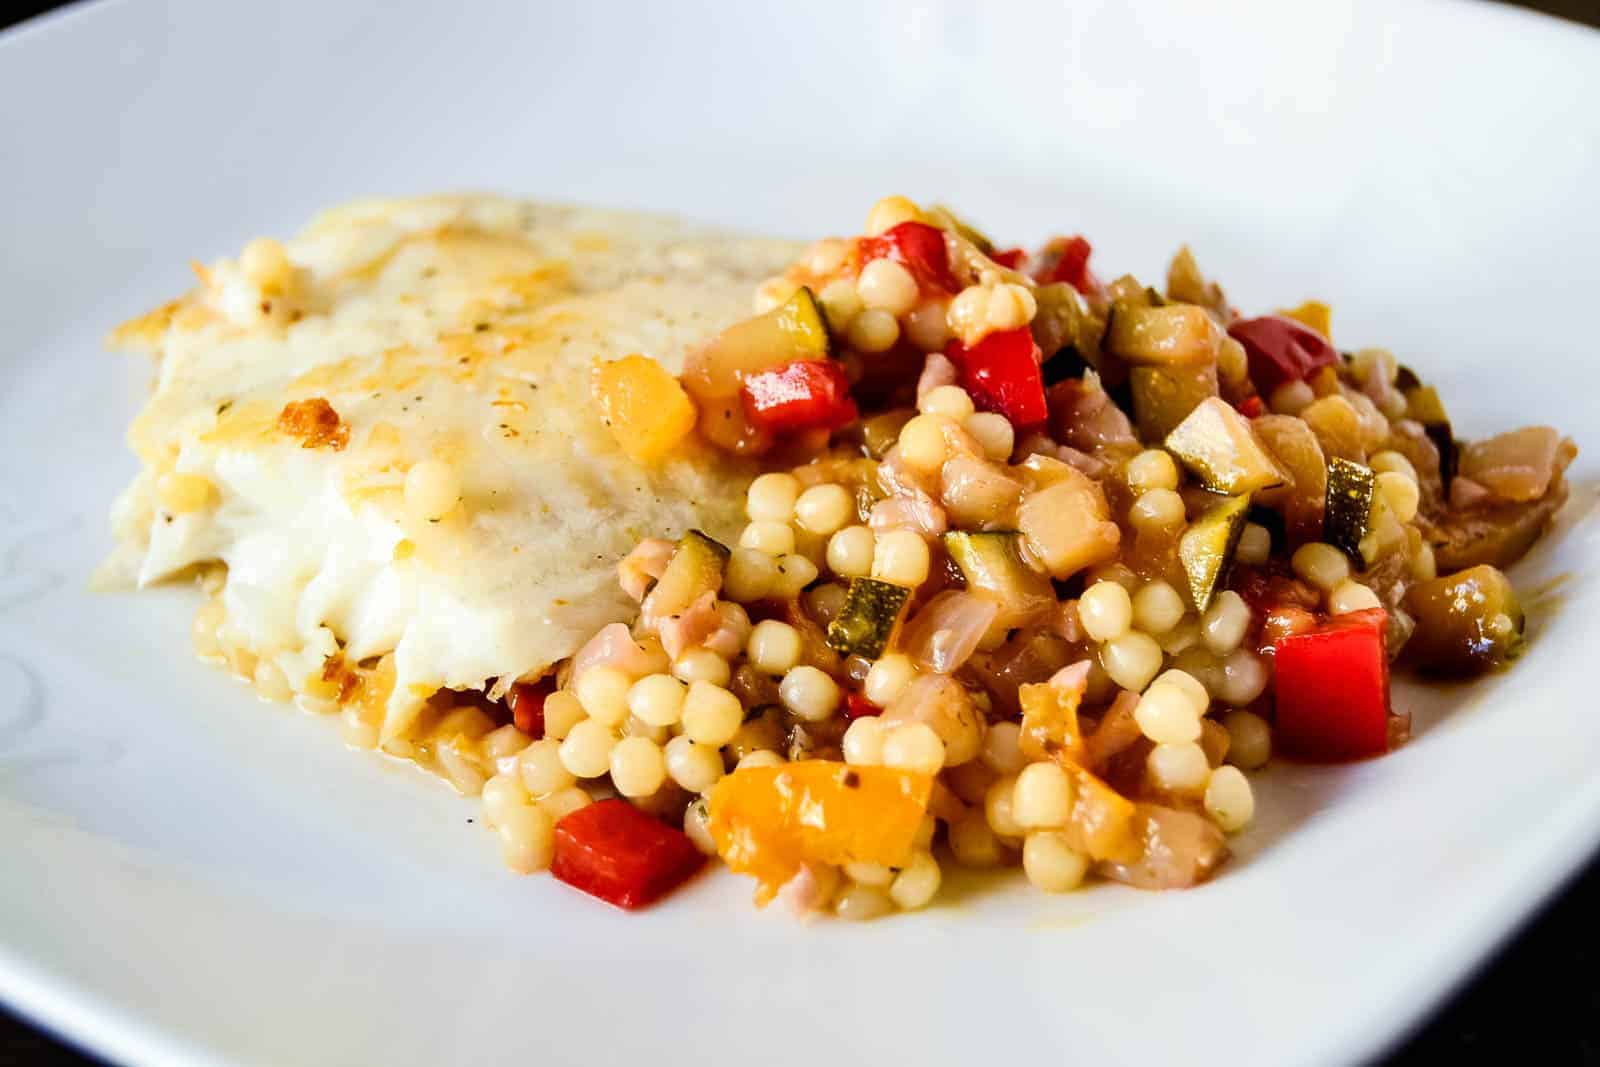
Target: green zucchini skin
{"x":1207,"y":547}
{"x":1347,"y":516}
{"x":871,"y":612}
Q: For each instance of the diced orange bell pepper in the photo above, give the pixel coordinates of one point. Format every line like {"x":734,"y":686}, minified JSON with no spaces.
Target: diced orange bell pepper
{"x":1050,"y":715}
{"x":1102,"y":819}
{"x":768,"y":821}
{"x":645,"y":408}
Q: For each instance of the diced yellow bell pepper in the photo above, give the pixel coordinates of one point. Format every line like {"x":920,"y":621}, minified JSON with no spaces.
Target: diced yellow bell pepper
{"x":1315,"y":314}
{"x":768,"y":821}
{"x":645,"y":408}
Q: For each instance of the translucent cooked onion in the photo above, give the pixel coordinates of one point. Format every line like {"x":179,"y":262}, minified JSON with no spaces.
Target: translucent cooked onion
{"x":1179,"y":850}
{"x":1518,"y":465}
{"x":615,"y":647}
{"x":945,"y":633}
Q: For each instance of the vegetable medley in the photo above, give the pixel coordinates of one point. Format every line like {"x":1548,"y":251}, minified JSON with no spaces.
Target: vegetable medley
{"x":1039,"y":568}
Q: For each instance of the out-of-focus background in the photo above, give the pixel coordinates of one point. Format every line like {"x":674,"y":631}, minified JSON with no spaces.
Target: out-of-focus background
{"x":1539,"y":995}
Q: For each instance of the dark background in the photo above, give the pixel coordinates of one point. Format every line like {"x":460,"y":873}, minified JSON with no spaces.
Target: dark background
{"x":1537,"y":1000}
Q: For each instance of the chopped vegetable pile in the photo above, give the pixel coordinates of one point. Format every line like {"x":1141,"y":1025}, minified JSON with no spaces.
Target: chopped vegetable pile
{"x":1039,"y":567}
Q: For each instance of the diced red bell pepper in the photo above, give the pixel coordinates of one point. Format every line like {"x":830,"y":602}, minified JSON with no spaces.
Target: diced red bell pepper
{"x":1073,"y":266}
{"x":1010,"y":258}
{"x":803,"y":395}
{"x":916,"y":246}
{"x":857,"y":706}
{"x":1251,"y":407}
{"x":527,"y":706}
{"x":616,"y":852}
{"x":1281,"y":350}
{"x":1331,"y":689}
{"x":1002,"y":374}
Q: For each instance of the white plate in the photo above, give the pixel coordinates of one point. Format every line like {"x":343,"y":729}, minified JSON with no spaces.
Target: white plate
{"x":192,"y":877}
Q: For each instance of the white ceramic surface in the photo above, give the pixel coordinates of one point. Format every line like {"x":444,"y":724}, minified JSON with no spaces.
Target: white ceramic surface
{"x":190,"y":877}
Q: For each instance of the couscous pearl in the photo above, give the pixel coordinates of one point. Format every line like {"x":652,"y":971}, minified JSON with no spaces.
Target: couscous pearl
{"x":541,"y":768}
{"x":1151,"y":469}
{"x":1179,"y":768}
{"x":874,"y":330}
{"x":951,"y":401}
{"x":431,"y":489}
{"x":1390,"y":461}
{"x":774,"y":646}
{"x":697,"y":826}
{"x":711,"y":714}
{"x":1042,"y":797}
{"x":795,"y":572}
{"x":637,"y":727}
{"x":1051,"y":863}
{"x":657,"y":700}
{"x":824,"y":602}
{"x":563,"y":711}
{"x":1291,"y":398}
{"x":1320,"y":564}
{"x":1225,"y":622}
{"x":1401,"y":493}
{"x":772,"y":497}
{"x":862,"y":902}
{"x":827,"y":255}
{"x":876,"y":874}
{"x":270,"y":681}
{"x":994,"y":434}
{"x":603,"y":692}
{"x":1191,"y":687}
{"x":862,"y":744}
{"x":564,"y":802}
{"x":997,"y":807}
{"x":1157,"y":607}
{"x":913,"y":746}
{"x":1166,"y":715}
{"x":587,"y":750}
{"x":1131,"y":660}
{"x":1424,"y":567}
{"x":1249,"y":739}
{"x":967,"y":316}
{"x":1229,"y":800}
{"x":1244,"y":678}
{"x":823,"y":509}
{"x":502,"y":744}
{"x":840,"y":304}
{"x":501,"y":794}
{"x":1158,"y":509}
{"x":886,"y":285}
{"x":927,"y":328}
{"x":921,"y":442}
{"x":888,"y":677}
{"x":1185,"y":635}
{"x":761,"y":757}
{"x":1105,"y":611}
{"x":694,"y":767}
{"x":901,"y":557}
{"x":1350,"y":595}
{"x":973,"y":843}
{"x":765,"y":535}
{"x":750,"y":575}
{"x":265,"y":262}
{"x":527,"y":839}
{"x":917,"y":882}
{"x":850,"y":551}
{"x":890,"y":212}
{"x":809,"y":693}
{"x":1002,"y":748}
{"x":182,"y":493}
{"x":701,"y":665}
{"x":1011,"y":307}
{"x":637,"y":767}
{"x":1255,"y":545}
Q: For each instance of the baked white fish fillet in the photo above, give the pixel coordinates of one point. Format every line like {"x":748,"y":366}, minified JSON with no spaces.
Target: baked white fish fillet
{"x":461,"y":329}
